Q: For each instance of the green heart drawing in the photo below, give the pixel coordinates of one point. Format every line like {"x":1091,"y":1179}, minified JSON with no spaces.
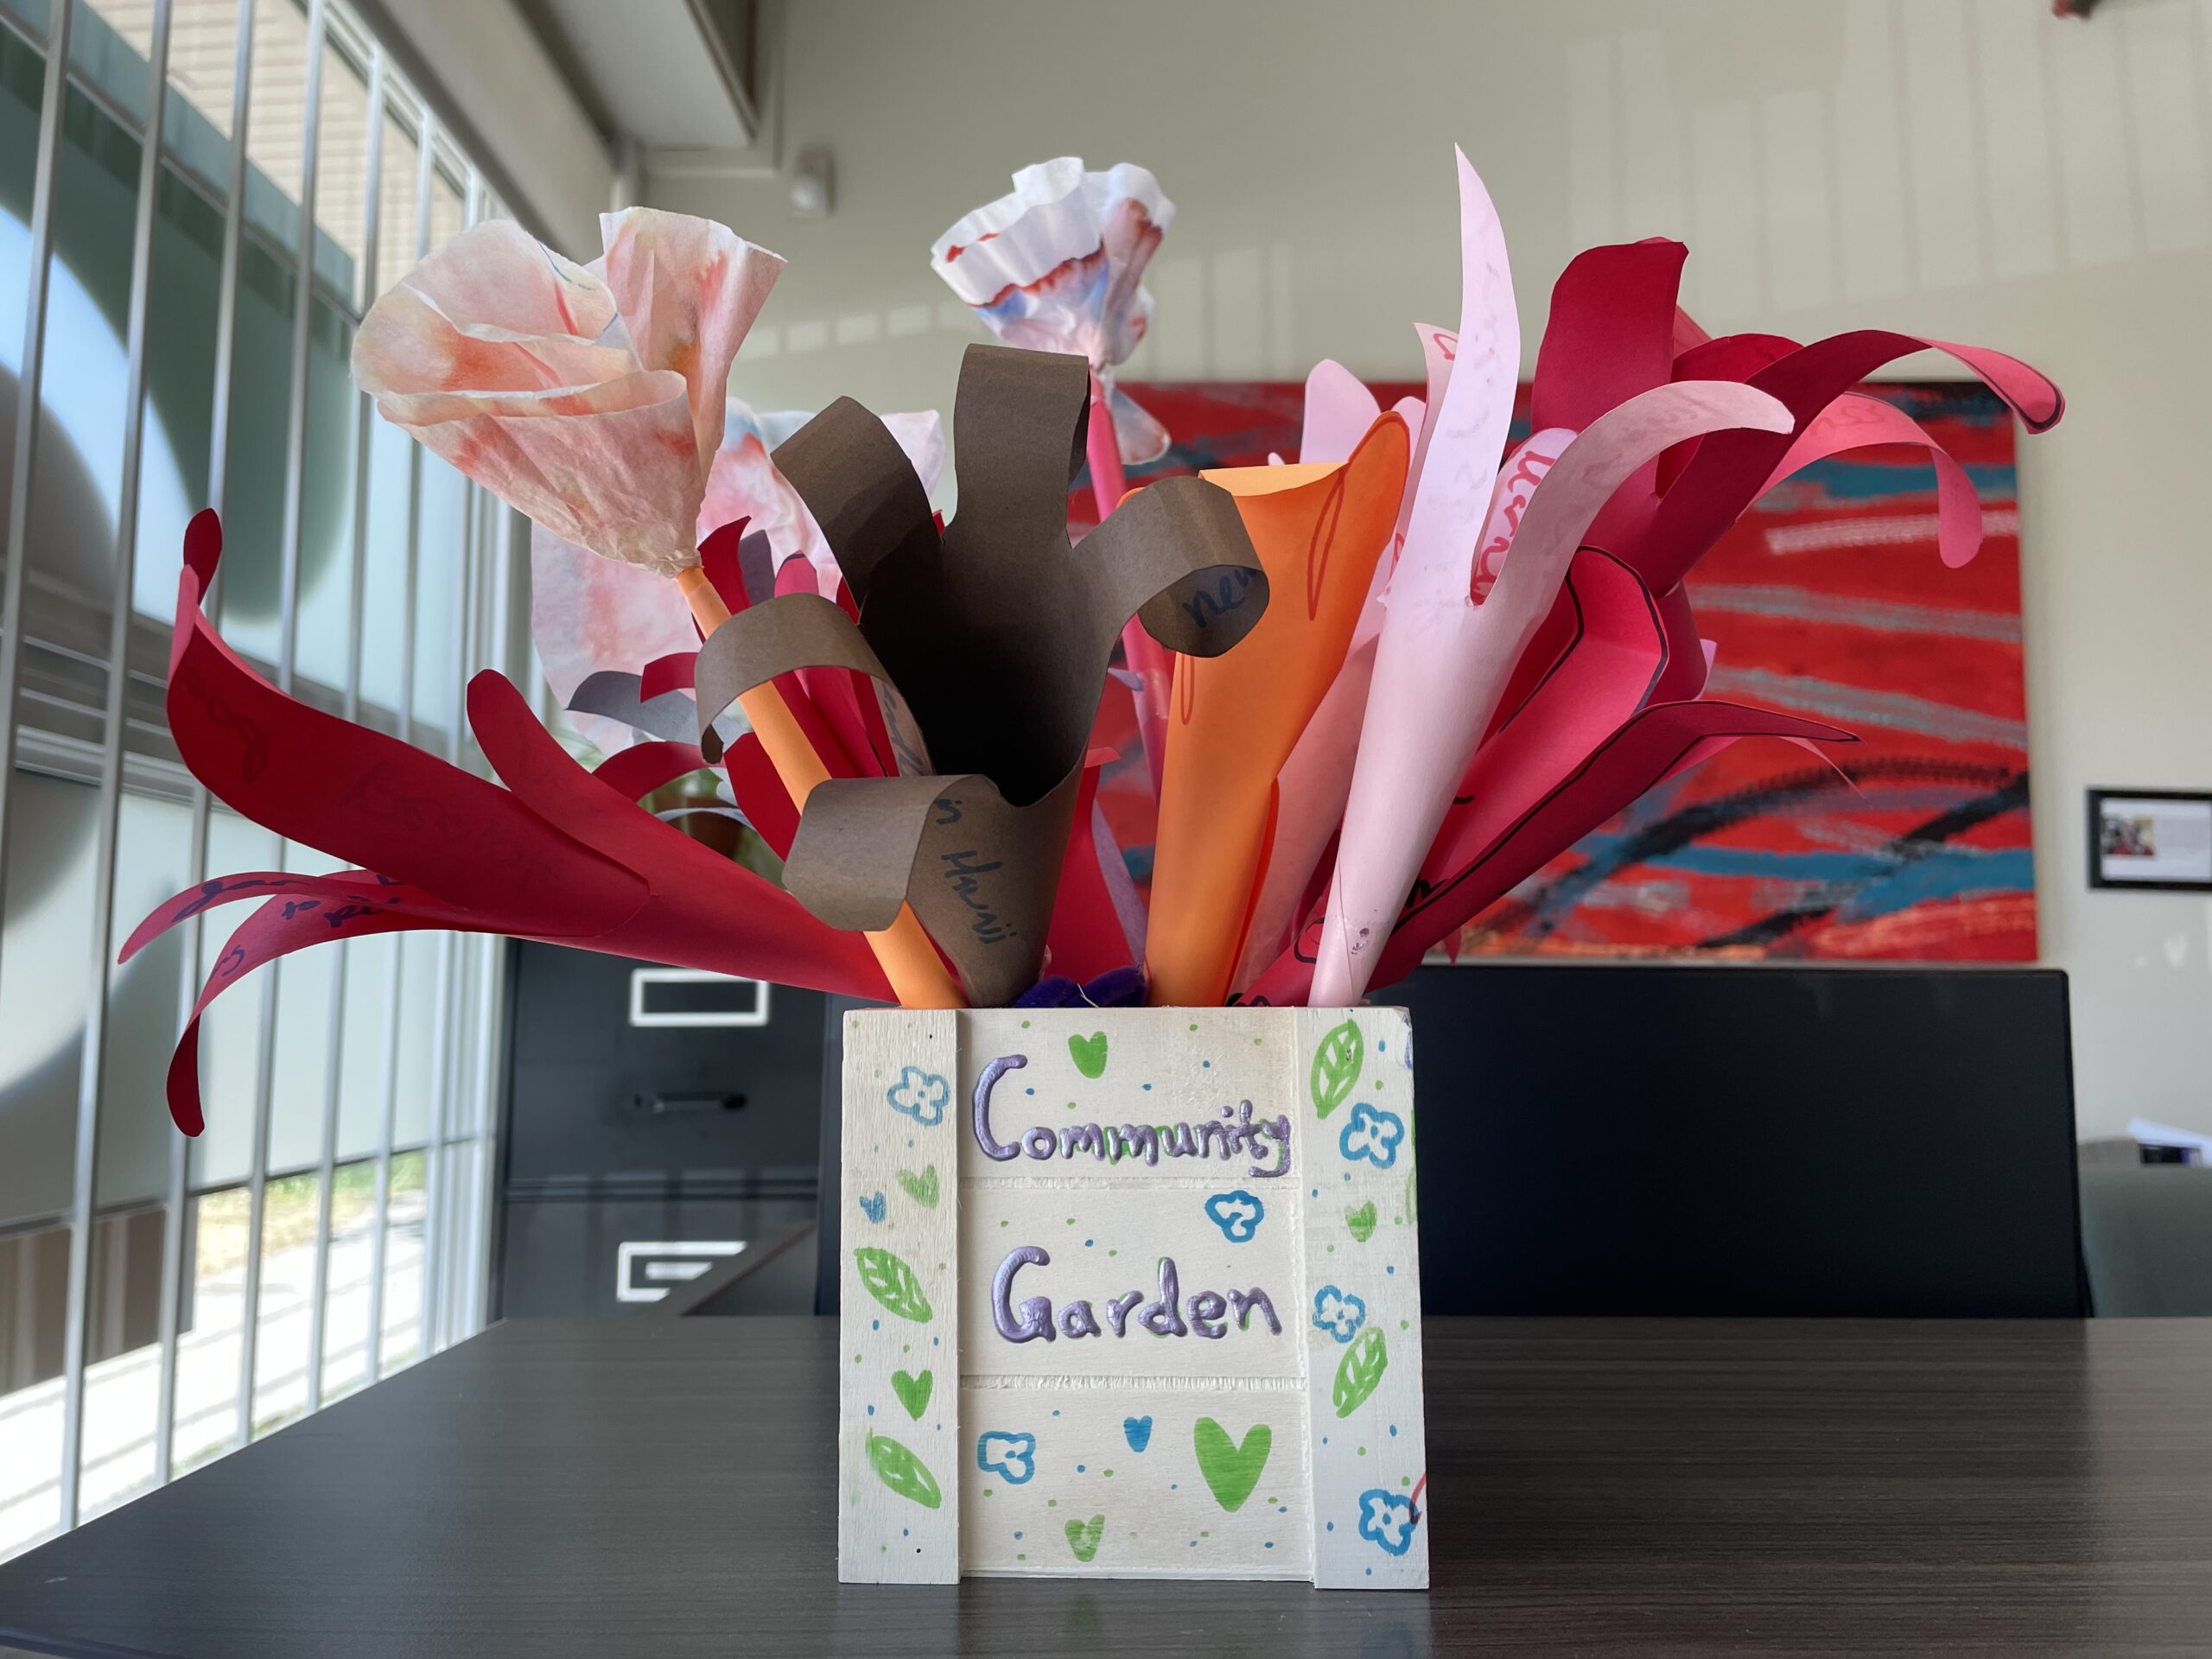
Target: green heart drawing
{"x":1089,"y":1054}
{"x":921,"y":1188}
{"x":914,"y":1391}
{"x":1083,"y":1536}
{"x":1232,"y":1470}
{"x":1361,"y":1221}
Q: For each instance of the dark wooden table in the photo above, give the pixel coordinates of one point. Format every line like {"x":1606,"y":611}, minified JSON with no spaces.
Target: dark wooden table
{"x":663,"y":1488}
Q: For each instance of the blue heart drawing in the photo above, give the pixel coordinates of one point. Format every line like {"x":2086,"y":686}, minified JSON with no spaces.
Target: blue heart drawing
{"x":872,"y":1207}
{"x":1138,"y":1431}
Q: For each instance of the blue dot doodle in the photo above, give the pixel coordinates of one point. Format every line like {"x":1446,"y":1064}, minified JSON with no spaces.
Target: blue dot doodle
{"x":871,"y":1411}
{"x":1394,"y":1431}
{"x":1148,"y":1087}
{"x":1079,"y":1468}
{"x":1332,"y":1525}
{"x":876,"y":1324}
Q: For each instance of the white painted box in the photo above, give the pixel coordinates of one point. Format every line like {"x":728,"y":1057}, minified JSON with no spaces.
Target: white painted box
{"x":1131,"y":1294}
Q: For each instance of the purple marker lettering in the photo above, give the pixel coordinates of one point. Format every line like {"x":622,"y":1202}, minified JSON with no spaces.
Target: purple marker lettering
{"x":1036,"y":1320}
{"x":982,"y":1115}
{"x":1117,"y":1310}
{"x":1206,"y":1309}
{"x":1160,"y":1317}
{"x":1242,"y":1302}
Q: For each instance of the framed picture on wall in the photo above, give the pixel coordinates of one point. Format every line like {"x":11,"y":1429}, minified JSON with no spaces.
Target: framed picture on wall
{"x":2159,"y":839}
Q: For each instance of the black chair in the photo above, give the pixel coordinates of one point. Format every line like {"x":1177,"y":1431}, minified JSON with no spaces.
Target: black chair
{"x":1744,"y":1141}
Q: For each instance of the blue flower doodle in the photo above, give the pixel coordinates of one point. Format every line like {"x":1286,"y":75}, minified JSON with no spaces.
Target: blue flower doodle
{"x":920,"y":1095}
{"x":1012,"y":1458}
{"x":1337,"y":1313}
{"x":1386,"y":1519}
{"x":1237,"y":1214}
{"x":1373,"y":1134}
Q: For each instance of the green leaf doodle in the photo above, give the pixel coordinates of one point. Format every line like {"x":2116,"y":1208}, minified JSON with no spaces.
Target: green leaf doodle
{"x":902,"y":1472}
{"x":1360,"y":1370}
{"x":1336,"y":1068}
{"x":892,"y":1282}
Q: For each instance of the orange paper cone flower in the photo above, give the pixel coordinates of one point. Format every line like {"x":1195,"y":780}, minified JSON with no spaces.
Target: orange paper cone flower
{"x":1232,"y":722}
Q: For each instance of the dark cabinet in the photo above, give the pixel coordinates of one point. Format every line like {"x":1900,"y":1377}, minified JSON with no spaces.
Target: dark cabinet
{"x":655,"y":1121}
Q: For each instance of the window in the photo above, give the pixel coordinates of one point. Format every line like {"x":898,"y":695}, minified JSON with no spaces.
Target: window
{"x":167,"y":1301}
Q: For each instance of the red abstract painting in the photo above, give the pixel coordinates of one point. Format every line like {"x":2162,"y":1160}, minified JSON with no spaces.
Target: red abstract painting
{"x":1830,"y":600}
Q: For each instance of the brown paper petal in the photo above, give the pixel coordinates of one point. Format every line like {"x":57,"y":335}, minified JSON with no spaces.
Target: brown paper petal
{"x":798,"y":631}
{"x":861,"y":489}
{"x":999,"y":634}
{"x":980,"y":874}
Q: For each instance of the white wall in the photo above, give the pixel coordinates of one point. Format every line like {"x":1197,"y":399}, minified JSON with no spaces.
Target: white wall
{"x":1973,"y":169}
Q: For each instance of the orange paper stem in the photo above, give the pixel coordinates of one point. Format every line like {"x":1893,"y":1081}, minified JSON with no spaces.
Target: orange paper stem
{"x":910,"y":962}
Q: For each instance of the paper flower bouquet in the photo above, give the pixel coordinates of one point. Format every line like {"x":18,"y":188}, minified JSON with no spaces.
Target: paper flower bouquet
{"x":1378,"y":687}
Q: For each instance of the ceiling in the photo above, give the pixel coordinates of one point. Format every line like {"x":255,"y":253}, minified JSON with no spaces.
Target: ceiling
{"x":665,"y":74}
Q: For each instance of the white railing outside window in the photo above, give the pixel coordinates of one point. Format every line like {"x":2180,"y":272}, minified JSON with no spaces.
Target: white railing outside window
{"x":175,"y":318}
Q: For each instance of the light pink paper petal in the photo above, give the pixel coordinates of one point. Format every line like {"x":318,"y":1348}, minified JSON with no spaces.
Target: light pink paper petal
{"x":1443,"y":663}
{"x":688,"y":290}
{"x":1516,"y":483}
{"x":1855,"y":421}
{"x":1421,"y":657}
{"x":621,"y":481}
{"x":1310,"y":793}
{"x":588,"y":613}
{"x":1138,"y":437}
{"x":497,"y":272}
{"x":1338,"y":410}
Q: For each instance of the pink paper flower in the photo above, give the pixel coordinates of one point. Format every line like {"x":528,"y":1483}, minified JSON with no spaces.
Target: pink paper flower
{"x":1058,"y":266}
{"x":588,"y":397}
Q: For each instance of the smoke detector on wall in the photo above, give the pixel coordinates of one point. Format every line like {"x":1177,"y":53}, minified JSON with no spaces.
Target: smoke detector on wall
{"x":814,"y":178}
